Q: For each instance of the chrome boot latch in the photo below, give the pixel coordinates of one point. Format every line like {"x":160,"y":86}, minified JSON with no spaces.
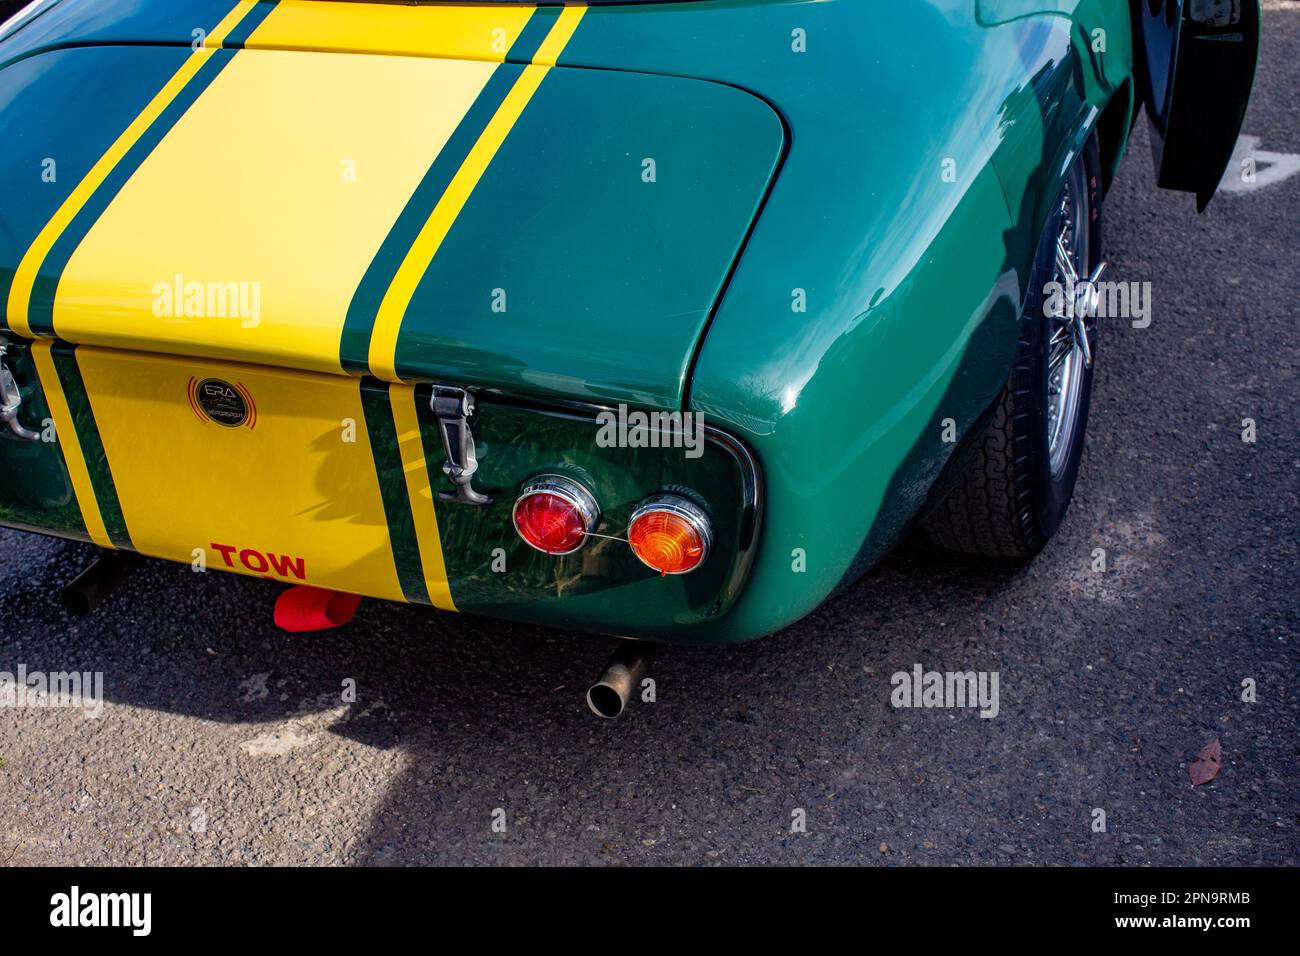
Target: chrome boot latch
{"x":453,"y":408}
{"x":11,"y":400}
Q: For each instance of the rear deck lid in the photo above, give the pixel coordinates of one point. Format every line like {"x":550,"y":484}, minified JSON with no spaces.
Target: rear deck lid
{"x":303,"y":191}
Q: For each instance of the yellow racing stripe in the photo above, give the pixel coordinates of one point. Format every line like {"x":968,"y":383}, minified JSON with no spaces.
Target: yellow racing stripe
{"x":475,"y":32}
{"x":290,"y":493}
{"x":25,"y":276}
{"x":548,"y":54}
{"x":66,"y":432}
{"x":420,"y":491}
{"x":388,"y":321}
{"x":276,"y":189}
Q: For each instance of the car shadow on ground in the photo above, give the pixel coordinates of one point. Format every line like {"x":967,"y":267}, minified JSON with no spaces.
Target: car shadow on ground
{"x":491,"y":719}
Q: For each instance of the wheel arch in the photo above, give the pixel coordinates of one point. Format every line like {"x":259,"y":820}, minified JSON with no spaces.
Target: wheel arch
{"x":1114,"y":125}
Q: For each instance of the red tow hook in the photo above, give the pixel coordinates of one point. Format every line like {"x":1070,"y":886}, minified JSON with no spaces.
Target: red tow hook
{"x":305,"y":608}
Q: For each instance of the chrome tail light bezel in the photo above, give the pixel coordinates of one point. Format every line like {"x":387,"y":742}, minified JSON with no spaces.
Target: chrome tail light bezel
{"x":567,"y":489}
{"x":682,"y":507}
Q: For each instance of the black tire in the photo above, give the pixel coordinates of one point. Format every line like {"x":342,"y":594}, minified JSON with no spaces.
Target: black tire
{"x":1008,"y":502}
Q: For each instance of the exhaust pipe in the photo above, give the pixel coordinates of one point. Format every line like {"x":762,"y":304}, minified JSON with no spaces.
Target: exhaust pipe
{"x":620,"y":679}
{"x":98,"y":581}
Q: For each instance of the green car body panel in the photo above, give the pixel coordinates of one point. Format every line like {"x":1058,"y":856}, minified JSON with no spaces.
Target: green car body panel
{"x":812,"y":225}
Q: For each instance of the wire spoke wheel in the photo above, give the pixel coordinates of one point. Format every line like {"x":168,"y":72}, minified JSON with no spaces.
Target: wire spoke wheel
{"x":1012,"y":482}
{"x":1066,"y":356}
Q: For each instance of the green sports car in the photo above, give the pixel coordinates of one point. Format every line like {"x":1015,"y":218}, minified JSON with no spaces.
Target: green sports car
{"x":660,"y":320}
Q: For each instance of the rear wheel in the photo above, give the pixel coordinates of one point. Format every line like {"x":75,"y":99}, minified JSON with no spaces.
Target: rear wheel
{"x":1013,"y":495}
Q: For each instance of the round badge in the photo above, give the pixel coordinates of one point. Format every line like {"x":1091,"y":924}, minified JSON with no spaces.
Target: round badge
{"x":221,"y":402}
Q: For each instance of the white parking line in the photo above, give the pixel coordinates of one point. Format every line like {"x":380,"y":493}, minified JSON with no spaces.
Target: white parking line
{"x":1252,"y":168}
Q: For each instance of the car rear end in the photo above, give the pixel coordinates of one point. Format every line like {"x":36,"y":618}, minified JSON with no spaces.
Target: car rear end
{"x":378,"y":299}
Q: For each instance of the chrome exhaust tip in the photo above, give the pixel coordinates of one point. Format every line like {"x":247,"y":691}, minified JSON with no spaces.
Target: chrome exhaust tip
{"x":609,"y":696}
{"x":98,"y":581}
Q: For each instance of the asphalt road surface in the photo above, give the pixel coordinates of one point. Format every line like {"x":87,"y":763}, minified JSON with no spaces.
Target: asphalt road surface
{"x":224,"y":741}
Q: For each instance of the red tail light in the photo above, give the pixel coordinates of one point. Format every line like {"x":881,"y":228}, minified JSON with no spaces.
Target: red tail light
{"x":670,"y":534}
{"x":554,"y":514}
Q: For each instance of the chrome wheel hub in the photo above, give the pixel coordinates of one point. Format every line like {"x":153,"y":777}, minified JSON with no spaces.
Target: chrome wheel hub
{"x":1069,"y":352}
